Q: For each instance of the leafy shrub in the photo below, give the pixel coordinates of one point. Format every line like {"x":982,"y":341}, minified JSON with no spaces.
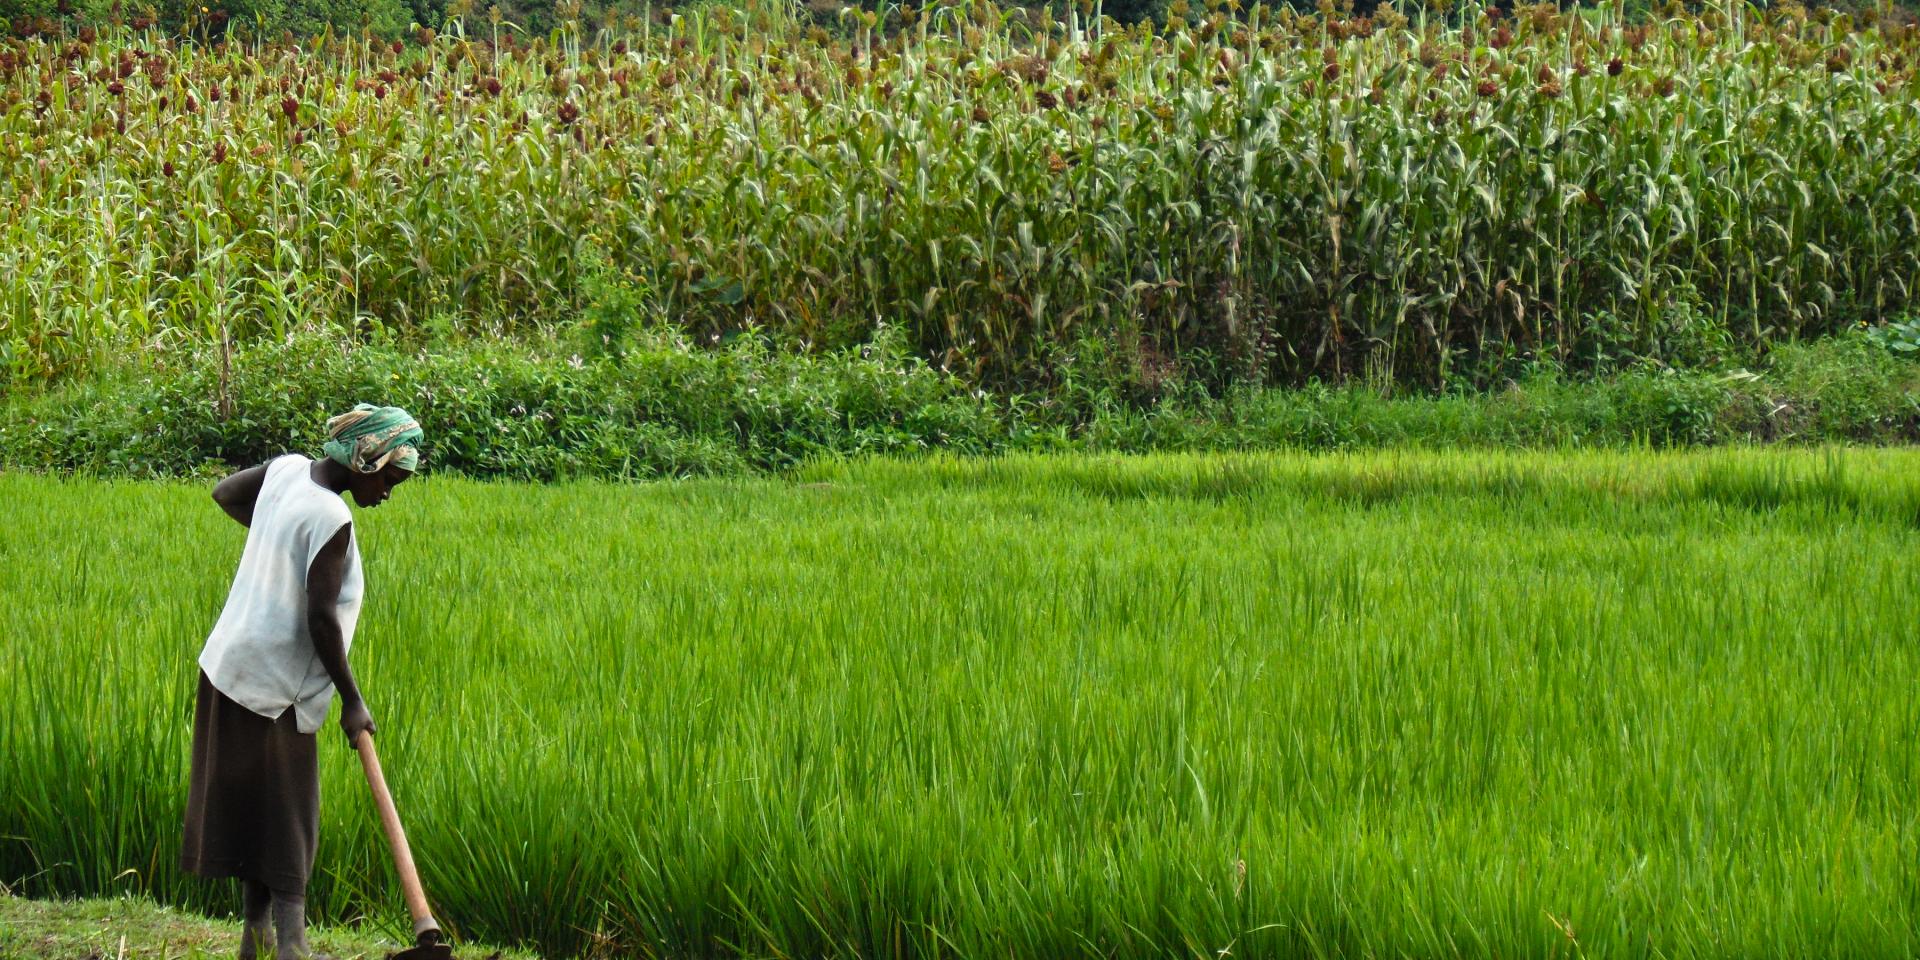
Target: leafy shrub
{"x":1900,"y":337}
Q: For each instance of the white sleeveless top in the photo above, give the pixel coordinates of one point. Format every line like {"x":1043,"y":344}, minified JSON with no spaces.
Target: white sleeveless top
{"x":260,"y":654}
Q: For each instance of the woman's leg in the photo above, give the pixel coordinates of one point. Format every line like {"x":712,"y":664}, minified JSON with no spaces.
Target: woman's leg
{"x":290,"y":922}
{"x":289,"y":824}
{"x":257,"y":910}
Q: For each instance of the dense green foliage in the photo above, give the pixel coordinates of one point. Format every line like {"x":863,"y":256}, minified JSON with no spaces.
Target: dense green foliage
{"x":499,"y":409}
{"x":660,"y":406}
{"x":1245,"y":200}
{"x":1384,"y":705}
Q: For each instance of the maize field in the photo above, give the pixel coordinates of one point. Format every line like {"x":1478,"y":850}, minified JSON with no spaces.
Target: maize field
{"x":1291,"y":195}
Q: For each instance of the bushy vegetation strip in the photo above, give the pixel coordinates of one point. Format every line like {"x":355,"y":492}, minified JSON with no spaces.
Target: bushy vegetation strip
{"x":669,"y":408}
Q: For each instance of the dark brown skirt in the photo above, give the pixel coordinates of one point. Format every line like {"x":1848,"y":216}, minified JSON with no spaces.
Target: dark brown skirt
{"x":253,"y":802}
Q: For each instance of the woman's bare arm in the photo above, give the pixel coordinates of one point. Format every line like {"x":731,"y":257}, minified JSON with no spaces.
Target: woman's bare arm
{"x":237,"y":493}
{"x":323,"y":589}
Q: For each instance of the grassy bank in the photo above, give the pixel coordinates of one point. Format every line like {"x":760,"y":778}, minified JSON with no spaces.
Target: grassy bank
{"x":135,"y":928}
{"x":1605,"y":705}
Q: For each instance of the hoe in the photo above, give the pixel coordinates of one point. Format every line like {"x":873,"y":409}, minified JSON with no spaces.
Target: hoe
{"x":426,"y":933}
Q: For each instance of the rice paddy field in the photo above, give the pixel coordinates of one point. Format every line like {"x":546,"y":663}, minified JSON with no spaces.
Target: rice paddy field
{"x":1602,"y":705}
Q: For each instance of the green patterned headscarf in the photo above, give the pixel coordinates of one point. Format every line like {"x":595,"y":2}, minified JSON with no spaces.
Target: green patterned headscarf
{"x":368,"y":438}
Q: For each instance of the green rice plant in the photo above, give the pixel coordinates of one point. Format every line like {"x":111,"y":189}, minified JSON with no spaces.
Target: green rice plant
{"x":1390,"y":704}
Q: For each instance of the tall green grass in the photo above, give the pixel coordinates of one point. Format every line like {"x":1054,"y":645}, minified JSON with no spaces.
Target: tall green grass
{"x":1285,"y":195}
{"x":1379,"y":705}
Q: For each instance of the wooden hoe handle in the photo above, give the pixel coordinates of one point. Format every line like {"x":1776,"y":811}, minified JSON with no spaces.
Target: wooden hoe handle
{"x":424,"y":929}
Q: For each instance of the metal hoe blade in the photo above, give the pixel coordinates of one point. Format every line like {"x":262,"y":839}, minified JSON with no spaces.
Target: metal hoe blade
{"x":428,"y":947}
